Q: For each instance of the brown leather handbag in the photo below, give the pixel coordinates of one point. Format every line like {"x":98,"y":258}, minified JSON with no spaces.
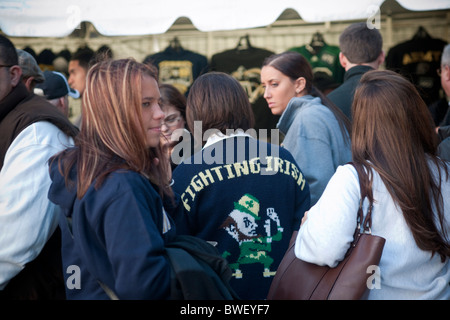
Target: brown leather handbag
{"x":299,"y":280}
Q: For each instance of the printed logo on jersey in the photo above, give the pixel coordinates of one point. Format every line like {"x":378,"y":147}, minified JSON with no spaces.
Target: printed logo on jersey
{"x":249,"y":80}
{"x":242,"y":224}
{"x":176,"y":73}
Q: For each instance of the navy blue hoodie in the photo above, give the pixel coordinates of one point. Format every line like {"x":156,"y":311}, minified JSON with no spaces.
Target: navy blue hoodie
{"x":119,"y":232}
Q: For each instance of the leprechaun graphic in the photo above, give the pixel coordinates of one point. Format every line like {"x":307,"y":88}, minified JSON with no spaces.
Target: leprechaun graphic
{"x":241,"y":224}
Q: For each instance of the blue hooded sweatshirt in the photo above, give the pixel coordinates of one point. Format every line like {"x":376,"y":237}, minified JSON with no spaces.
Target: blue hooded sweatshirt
{"x":314,"y":138}
{"x":118,"y":236}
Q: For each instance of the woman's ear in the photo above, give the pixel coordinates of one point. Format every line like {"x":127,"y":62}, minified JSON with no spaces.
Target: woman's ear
{"x":300,"y":85}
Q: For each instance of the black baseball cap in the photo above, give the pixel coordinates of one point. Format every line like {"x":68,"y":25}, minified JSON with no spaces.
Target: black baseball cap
{"x":56,"y":86}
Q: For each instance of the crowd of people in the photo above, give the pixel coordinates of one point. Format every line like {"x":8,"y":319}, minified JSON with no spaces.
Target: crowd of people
{"x":87,"y":207}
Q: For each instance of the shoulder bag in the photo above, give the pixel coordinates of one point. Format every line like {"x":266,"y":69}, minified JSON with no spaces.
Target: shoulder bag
{"x":299,"y":280}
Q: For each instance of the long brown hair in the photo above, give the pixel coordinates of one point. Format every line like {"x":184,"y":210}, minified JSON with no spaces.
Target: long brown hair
{"x":112,"y":134}
{"x":393,"y":133}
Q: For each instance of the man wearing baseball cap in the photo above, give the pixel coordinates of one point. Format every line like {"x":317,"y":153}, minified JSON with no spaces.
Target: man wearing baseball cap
{"x":31,"y":73}
{"x":56,"y":90}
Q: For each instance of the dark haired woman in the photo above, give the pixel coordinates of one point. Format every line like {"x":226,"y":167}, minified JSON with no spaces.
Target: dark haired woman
{"x":316,"y":131}
{"x":173,"y":129}
{"x":393,"y":139}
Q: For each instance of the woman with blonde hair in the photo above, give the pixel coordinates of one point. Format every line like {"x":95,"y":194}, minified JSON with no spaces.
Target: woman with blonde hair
{"x":393,"y":140}
{"x":111,"y":187}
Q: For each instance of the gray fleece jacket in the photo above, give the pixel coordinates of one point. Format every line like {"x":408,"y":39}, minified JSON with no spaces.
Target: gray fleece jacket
{"x":313,"y":136}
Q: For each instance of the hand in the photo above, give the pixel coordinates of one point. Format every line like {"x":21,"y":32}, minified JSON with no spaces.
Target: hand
{"x":166,"y":145}
{"x":158,"y":161}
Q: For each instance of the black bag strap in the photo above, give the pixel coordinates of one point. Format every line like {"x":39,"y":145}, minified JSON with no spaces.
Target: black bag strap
{"x":366,"y":192}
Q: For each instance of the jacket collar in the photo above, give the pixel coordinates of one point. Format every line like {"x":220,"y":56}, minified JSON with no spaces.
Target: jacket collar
{"x":293,"y":106}
{"x":17,"y":94}
{"x":218,"y":136}
{"x":356,"y":71}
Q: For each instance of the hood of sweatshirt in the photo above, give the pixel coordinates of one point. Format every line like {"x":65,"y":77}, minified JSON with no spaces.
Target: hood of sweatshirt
{"x":59,"y":193}
{"x":294,"y":105}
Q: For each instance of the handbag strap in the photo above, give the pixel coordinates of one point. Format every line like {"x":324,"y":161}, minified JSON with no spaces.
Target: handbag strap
{"x":366,"y":192}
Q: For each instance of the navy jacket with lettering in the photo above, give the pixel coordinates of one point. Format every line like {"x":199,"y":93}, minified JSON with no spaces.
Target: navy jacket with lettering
{"x":249,"y":197}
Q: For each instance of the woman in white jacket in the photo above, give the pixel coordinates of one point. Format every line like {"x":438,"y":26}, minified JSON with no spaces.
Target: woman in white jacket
{"x":393,"y":139}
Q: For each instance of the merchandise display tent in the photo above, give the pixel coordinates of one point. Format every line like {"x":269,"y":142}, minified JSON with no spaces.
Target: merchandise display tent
{"x":142,"y":29}
{"x":137,"y":28}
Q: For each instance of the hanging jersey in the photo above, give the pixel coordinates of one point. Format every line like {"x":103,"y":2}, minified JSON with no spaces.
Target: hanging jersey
{"x":325,"y":60}
{"x":178,"y":67}
{"x":418,"y":59}
{"x":245,"y":66}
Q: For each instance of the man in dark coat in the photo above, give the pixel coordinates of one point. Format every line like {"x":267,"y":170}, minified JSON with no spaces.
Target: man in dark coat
{"x":361,"y":51}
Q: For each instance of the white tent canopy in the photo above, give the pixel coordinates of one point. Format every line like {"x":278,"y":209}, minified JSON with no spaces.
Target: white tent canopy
{"x":49,"y":18}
